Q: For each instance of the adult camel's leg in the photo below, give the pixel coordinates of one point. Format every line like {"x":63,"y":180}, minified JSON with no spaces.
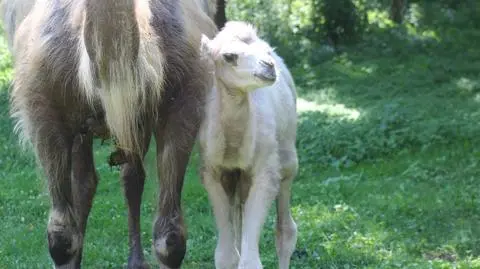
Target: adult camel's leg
{"x":175,"y":139}
{"x":52,"y":141}
{"x":133,"y":176}
{"x":84,"y":184}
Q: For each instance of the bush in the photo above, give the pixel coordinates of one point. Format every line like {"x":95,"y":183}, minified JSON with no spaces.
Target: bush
{"x":301,"y":28}
{"x":338,"y":20}
{"x":281,"y":22}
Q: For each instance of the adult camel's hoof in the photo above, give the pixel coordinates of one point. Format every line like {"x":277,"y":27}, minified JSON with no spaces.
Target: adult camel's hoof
{"x":170,"y":249}
{"x":63,"y":240}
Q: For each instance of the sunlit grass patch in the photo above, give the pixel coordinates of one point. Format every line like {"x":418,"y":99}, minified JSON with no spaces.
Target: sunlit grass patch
{"x":333,"y":110}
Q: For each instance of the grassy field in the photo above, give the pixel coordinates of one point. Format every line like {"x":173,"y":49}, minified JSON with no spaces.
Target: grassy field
{"x":389,"y":154}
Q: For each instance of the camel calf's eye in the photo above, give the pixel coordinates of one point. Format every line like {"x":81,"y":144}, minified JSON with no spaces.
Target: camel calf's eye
{"x":230,"y":57}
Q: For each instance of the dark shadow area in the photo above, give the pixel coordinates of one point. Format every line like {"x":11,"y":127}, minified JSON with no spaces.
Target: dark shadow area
{"x":411,"y":89}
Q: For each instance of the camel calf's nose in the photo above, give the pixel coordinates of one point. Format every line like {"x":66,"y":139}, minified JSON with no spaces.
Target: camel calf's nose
{"x":267,"y":63}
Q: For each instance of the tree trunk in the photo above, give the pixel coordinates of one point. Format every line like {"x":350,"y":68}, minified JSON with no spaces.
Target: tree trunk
{"x":397,"y":10}
{"x":220,"y":17}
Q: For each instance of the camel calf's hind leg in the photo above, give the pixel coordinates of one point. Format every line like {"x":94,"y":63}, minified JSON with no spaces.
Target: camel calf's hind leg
{"x":286,"y":231}
{"x":286,"y":234}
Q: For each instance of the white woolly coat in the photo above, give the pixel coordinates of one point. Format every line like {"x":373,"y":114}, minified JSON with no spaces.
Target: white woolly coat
{"x":253,"y":131}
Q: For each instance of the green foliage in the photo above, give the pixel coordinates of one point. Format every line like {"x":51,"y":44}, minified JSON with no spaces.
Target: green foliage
{"x":296,"y":27}
{"x":5,"y":63}
{"x":404,"y":86}
{"x":339,"y":20}
{"x":299,"y":29}
{"x":282,"y":22}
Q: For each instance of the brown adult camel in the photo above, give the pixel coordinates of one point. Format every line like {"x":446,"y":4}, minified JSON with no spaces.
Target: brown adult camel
{"x":128,"y":67}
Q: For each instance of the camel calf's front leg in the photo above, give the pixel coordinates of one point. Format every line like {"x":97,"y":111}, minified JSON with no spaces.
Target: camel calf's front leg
{"x":262,"y":192}
{"x":226,"y":253}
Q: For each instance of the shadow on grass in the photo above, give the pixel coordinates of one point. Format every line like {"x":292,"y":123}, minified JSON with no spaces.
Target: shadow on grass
{"x":388,"y":95}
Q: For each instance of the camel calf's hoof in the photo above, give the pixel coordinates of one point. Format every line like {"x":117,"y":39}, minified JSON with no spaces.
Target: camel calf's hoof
{"x":170,"y":249}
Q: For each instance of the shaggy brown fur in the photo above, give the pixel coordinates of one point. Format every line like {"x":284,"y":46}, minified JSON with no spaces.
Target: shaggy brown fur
{"x":129,"y":67}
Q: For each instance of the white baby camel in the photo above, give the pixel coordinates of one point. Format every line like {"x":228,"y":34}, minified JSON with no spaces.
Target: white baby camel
{"x":248,"y":148}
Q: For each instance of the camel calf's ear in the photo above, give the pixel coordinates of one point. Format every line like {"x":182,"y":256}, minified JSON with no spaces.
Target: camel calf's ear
{"x":205,"y":45}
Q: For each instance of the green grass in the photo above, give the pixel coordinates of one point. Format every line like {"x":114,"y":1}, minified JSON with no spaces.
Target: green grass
{"x":389,"y":164}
